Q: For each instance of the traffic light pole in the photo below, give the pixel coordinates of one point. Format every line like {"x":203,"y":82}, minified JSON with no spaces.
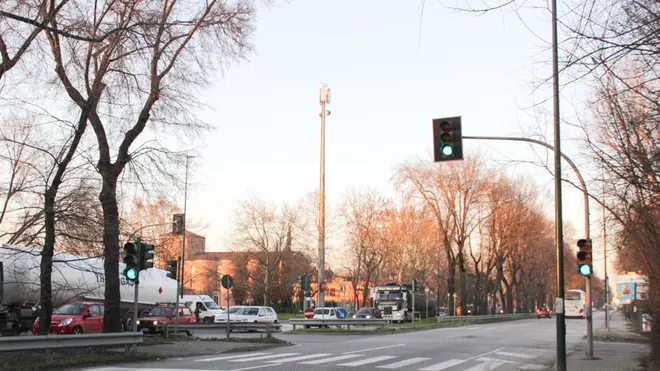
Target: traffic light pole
{"x":561,"y":321}
{"x":136,"y":307}
{"x":176,"y":305}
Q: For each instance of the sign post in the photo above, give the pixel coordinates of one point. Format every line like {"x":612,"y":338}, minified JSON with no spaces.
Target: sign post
{"x":227,"y":283}
{"x":427,"y":291}
{"x":455,"y":303}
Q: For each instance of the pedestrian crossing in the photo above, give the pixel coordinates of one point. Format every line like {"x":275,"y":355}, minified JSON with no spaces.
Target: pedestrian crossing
{"x":500,"y":360}
{"x":495,"y":360}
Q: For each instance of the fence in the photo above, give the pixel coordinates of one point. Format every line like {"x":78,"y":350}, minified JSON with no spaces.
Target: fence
{"x":22,"y":343}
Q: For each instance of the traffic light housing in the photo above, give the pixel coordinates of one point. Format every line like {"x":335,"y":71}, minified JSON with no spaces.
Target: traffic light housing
{"x":177,"y":224}
{"x":414,"y":286}
{"x":585,"y":264}
{"x":132,"y":260}
{"x":447,"y":139}
{"x":146,"y":256}
{"x":172,"y":269}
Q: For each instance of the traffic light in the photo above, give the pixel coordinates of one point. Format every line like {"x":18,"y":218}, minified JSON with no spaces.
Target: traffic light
{"x":177,"y":224}
{"x":447,"y":139}
{"x":146,"y":256}
{"x":172,"y":269}
{"x":414,"y":286}
{"x":132,"y":260}
{"x":585,"y":265}
{"x":300,"y":281}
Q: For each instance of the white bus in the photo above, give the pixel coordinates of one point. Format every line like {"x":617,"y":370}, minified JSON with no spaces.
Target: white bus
{"x":574,"y":303}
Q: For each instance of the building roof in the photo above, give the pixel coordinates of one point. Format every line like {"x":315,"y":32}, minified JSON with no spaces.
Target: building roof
{"x":226,"y":255}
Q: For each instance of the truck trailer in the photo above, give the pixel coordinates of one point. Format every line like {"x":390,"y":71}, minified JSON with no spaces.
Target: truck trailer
{"x":395,"y":302}
{"x":73,"y":278}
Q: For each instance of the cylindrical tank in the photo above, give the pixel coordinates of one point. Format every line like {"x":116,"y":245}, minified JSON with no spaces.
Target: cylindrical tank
{"x":74,"y":276}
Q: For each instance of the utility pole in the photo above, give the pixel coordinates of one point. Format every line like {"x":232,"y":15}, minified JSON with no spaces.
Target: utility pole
{"x":324,"y":99}
{"x":185,"y":226}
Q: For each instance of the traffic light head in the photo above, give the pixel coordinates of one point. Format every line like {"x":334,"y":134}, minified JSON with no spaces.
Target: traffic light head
{"x":584,"y":261}
{"x":131,"y":260}
{"x":172,"y":269}
{"x":177,"y":224}
{"x":447,"y":139}
{"x":146,"y":256}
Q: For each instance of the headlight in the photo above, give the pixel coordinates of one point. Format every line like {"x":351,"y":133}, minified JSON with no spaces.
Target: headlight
{"x":368,"y":316}
{"x":36,"y":321}
{"x":137,"y":322}
{"x":65,"y":322}
{"x":155,"y":323}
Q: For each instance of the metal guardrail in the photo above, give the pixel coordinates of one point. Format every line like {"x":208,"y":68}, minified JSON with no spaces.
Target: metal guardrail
{"x":18,"y":343}
{"x":487,"y":317}
{"x":337,"y":322}
{"x":273,"y":327}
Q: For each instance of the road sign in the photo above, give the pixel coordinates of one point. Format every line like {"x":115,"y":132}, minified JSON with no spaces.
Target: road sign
{"x":341,"y":313}
{"x":455,"y":295}
{"x":227,"y":281}
{"x":309,"y":313}
{"x":427,"y":290}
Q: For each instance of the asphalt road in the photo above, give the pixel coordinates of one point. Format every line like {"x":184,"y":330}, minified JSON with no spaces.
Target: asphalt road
{"x":517,"y":345}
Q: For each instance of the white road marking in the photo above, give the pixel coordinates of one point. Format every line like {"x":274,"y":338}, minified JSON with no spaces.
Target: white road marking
{"x":229,"y":357}
{"x":366,"y":350}
{"x":300,"y":358}
{"x":486,"y":366}
{"x":518,"y":355}
{"x":488,"y":359}
{"x":532,"y":367}
{"x":367,"y":361}
{"x":250,"y":359}
{"x":406,"y":362}
{"x":331,"y":359}
{"x":443,"y":365}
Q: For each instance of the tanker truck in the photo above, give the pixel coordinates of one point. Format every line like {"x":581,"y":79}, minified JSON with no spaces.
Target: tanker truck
{"x":73,"y":278}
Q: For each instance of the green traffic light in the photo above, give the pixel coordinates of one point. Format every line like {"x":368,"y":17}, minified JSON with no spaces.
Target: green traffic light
{"x":130,"y":273}
{"x":585,"y":270}
{"x":447,"y":150}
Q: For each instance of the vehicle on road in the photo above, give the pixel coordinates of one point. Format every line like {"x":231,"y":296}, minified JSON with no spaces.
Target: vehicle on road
{"x":368,"y":312}
{"x":162,"y":316}
{"x":205,"y":309}
{"x":542,"y":312}
{"x":395,"y":302}
{"x":75,"y":318}
{"x":74,"y":278}
{"x":574,"y":303}
{"x":254,"y":314}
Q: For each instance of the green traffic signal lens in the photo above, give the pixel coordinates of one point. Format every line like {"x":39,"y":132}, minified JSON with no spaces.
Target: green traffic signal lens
{"x":585,"y":270}
{"x":447,"y":150}
{"x":130,"y":273}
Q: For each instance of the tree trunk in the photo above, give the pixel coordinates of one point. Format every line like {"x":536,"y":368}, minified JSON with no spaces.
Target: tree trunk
{"x":45,"y":313}
{"x":108,"y":198}
{"x":267,"y":279}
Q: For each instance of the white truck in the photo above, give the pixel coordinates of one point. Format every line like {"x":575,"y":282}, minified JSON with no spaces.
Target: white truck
{"x":204,"y":307}
{"x":395,"y":302}
{"x":73,"y":278}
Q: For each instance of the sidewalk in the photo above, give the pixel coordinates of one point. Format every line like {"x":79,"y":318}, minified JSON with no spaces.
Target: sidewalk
{"x":619,"y":349}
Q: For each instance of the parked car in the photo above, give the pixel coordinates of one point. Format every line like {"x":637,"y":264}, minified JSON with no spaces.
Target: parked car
{"x":162,"y":316}
{"x":78,"y":317}
{"x":254,"y":314}
{"x":442,"y":311}
{"x":368,"y":312}
{"x":542,"y":312}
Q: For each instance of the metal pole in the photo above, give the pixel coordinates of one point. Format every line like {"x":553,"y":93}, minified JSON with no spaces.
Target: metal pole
{"x":136,"y":307}
{"x":176,"y":305}
{"x":427,"y":305}
{"x":321,"y":226}
{"x":413,"y":308}
{"x":559,"y":221}
{"x":185,"y":226}
{"x":227,"y":294}
{"x":607,"y":280}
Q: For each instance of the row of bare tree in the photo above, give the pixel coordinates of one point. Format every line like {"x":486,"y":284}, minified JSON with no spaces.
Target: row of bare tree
{"x":126,"y":68}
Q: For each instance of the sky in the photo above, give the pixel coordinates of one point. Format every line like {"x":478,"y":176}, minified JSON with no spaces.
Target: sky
{"x":391,"y":70}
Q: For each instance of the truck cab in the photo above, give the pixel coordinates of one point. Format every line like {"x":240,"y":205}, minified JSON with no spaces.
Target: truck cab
{"x":204,"y":308}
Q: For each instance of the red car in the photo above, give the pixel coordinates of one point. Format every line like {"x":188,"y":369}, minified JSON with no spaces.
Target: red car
{"x":158,"y":317}
{"x":542,"y":312}
{"x":78,"y":317}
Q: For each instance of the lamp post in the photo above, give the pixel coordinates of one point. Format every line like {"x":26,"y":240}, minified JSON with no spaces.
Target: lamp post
{"x":324,"y":99}
{"x":185,"y":226}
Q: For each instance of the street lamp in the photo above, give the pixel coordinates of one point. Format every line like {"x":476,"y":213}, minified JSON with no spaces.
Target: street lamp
{"x":185,"y":225}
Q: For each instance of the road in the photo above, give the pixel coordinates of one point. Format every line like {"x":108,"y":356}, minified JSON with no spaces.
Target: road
{"x":517,"y":345}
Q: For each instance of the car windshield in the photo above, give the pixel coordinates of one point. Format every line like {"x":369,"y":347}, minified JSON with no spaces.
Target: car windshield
{"x":572,"y":296}
{"x":211,"y":305}
{"x":442,"y":310}
{"x":364,"y":311}
{"x":389,"y":295}
{"x":250,"y":311}
{"x":321,"y":311}
{"x":234,"y":309}
{"x":161,"y":312}
{"x":71,"y":309}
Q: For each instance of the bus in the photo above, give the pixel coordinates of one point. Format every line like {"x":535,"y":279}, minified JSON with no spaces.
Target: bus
{"x":574,"y":303}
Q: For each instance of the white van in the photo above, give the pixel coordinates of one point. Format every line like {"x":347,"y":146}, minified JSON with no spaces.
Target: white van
{"x":204,"y":307}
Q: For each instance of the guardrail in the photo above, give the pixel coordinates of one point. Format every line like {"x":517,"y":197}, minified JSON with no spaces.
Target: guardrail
{"x":20,"y":343}
{"x":487,"y":317}
{"x":250,"y":326}
{"x":306,"y":323}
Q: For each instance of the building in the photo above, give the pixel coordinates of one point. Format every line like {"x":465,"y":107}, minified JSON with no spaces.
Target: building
{"x":169,"y":247}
